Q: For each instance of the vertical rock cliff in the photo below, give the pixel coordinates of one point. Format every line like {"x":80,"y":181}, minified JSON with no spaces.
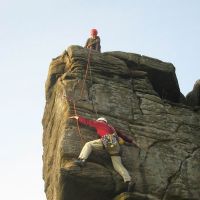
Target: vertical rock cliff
{"x":137,"y":94}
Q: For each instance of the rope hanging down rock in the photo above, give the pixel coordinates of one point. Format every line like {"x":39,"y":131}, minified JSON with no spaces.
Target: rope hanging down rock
{"x":75,"y":113}
{"x":81,"y":93}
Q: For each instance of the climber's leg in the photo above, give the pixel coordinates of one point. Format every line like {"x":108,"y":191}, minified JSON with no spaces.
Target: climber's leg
{"x":118,"y":166}
{"x":87,"y":149}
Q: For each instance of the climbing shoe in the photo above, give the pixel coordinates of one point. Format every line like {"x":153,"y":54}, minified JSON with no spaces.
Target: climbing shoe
{"x":130,"y":185}
{"x":80,"y":162}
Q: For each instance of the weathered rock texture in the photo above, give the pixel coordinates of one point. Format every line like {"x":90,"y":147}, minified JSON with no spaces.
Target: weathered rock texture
{"x":137,"y":94}
{"x":193,"y":97}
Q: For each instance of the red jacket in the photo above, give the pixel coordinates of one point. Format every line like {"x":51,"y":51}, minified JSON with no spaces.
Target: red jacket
{"x":103,"y":128}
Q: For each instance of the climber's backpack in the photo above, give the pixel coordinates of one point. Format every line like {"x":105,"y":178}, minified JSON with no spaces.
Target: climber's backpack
{"x":111,"y":144}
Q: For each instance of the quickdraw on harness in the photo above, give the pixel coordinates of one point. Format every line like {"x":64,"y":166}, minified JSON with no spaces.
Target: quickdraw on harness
{"x":111,"y":142}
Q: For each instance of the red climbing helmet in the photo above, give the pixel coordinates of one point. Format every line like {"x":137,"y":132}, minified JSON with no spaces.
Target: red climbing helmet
{"x":94,"y":32}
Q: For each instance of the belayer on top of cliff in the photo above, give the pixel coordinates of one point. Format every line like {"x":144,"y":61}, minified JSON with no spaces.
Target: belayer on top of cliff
{"x":94,"y":41}
{"x":110,"y":140}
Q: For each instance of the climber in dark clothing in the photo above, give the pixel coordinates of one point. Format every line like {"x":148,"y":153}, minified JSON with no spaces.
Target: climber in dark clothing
{"x":109,"y":139}
{"x":94,"y":41}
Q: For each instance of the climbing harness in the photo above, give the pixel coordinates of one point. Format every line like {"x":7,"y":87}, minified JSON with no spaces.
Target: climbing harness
{"x":110,"y":142}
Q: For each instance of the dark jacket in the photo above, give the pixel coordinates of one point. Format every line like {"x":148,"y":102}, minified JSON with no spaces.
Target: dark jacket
{"x":94,"y":43}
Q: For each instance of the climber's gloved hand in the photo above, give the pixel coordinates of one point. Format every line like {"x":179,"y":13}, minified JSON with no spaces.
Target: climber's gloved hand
{"x":74,"y":117}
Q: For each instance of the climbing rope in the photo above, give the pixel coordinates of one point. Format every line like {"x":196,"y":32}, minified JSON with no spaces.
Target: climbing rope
{"x":93,"y":106}
{"x":86,"y":72}
{"x":75,"y":113}
{"x":81,"y":94}
{"x":85,"y":77}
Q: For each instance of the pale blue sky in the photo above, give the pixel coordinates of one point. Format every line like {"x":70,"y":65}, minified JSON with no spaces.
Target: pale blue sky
{"x":33,"y":32}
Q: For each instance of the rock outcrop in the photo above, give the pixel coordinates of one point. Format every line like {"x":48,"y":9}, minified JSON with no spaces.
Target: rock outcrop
{"x":193,"y":97}
{"x":137,"y":94}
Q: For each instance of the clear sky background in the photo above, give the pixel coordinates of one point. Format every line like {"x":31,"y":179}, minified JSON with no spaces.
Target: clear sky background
{"x":32,"y":32}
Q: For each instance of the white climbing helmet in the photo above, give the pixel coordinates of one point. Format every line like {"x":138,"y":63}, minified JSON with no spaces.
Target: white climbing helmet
{"x":102,"y":119}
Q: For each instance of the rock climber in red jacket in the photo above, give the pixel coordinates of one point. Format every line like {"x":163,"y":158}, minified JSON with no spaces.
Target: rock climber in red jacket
{"x":109,"y":139}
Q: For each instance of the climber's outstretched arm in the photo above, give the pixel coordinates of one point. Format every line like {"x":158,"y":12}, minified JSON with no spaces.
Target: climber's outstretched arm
{"x":85,"y":121}
{"x":74,"y":117}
